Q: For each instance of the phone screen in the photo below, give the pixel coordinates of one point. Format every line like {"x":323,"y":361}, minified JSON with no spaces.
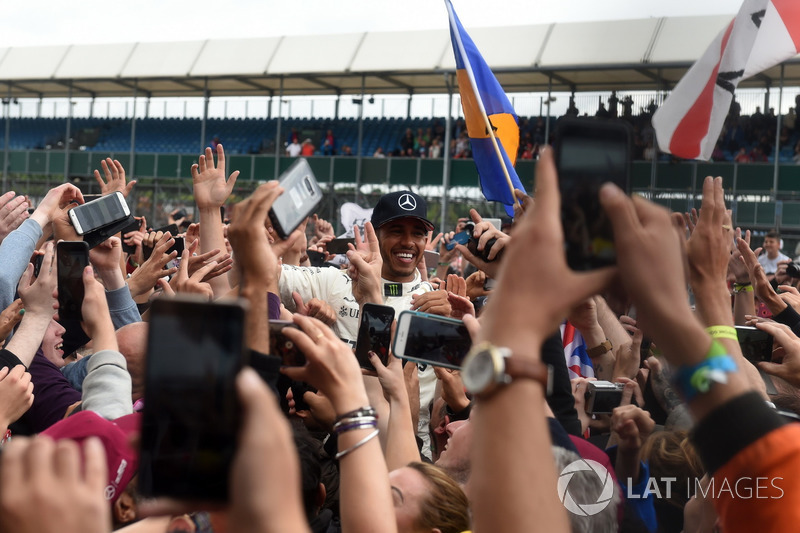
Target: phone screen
{"x":339,"y":246}
{"x":71,"y":258}
{"x":100,"y":212}
{"x":756,"y":345}
{"x":301,"y":196}
{"x":281,"y":346}
{"x":588,"y":154}
{"x":191,"y":416}
{"x":431,"y":339}
{"x":374,"y":334}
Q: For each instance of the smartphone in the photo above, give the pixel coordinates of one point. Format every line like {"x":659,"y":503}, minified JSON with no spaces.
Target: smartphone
{"x":133,"y":226}
{"x":191,"y":417}
{"x":98,"y":213}
{"x":300,"y":198}
{"x":100,"y":235}
{"x":71,"y":258}
{"x":374,"y":334}
{"x":317,"y":259}
{"x":281,"y":346}
{"x":171,"y":228}
{"x":588,"y":154}
{"x":37,"y":264}
{"x":431,"y":339}
{"x":431,"y":259}
{"x":178,"y":246}
{"x":339,"y":246}
{"x":756,"y":344}
{"x":91,"y":197}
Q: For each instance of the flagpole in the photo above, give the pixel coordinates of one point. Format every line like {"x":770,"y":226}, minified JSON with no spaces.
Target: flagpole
{"x":471,"y":76}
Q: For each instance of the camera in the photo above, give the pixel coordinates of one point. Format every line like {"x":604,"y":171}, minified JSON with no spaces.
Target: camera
{"x":793,"y":270}
{"x":603,"y":396}
{"x":465,"y":237}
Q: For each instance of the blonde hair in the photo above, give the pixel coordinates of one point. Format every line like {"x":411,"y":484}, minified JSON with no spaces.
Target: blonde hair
{"x":671,"y":453}
{"x":447,"y":507}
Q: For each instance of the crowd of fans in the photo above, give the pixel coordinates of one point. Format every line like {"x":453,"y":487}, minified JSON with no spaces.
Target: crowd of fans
{"x":696,"y":440}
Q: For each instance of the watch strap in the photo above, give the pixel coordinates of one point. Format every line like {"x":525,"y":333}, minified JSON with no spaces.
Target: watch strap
{"x":600,"y":349}
{"x":521,"y":367}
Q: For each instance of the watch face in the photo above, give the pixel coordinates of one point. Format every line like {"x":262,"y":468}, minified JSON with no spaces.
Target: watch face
{"x":478,"y":372}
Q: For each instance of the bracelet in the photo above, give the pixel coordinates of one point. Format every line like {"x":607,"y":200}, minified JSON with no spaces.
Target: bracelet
{"x":356,"y":425}
{"x":357,"y":445}
{"x":722,"y":332}
{"x":742,"y":287}
{"x":441,"y":264}
{"x":367,"y":410}
{"x":693,"y":380}
{"x":355,"y":420}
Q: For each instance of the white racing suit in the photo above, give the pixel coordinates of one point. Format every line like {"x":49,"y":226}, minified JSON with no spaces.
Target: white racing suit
{"x":335,"y":287}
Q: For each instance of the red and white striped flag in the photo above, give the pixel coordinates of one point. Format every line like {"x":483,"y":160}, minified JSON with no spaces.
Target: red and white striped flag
{"x":764,"y":33}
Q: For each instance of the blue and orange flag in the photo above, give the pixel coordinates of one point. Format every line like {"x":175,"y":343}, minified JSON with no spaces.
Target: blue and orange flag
{"x":486,"y":106}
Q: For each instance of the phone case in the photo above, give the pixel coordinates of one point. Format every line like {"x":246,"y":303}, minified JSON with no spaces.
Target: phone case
{"x":300,"y":198}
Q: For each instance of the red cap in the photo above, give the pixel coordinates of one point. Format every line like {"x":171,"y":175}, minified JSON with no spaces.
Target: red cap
{"x":121,"y":458}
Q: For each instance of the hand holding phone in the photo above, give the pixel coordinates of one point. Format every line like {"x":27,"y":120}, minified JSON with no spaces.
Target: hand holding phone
{"x":98,"y":213}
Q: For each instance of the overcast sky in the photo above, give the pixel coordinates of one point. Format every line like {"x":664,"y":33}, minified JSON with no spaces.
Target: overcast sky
{"x":45,"y":22}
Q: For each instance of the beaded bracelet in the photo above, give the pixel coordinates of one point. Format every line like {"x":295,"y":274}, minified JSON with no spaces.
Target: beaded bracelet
{"x":357,"y":445}
{"x":367,"y":410}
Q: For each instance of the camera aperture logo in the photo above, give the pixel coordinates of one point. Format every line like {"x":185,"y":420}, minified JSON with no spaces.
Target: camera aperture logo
{"x":585,"y":508}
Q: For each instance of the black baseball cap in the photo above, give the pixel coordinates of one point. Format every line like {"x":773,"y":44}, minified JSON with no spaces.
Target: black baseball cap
{"x":400,"y":204}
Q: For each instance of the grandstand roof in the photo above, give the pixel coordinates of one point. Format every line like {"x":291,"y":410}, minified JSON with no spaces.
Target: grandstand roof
{"x":624,"y":55}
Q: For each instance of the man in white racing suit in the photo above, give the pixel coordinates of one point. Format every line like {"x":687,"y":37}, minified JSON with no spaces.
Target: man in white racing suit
{"x":400,"y":221}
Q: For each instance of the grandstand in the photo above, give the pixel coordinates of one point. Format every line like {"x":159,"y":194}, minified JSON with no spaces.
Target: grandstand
{"x":625,"y":56}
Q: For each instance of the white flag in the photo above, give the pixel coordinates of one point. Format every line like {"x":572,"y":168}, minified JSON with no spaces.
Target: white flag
{"x":763,"y":34}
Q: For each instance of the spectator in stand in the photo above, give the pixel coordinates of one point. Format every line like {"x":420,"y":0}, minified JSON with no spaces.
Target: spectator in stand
{"x":422,"y":151}
{"x":346,"y":150}
{"x":407,"y":141}
{"x":294,"y":136}
{"x":462,"y":147}
{"x":214,"y":142}
{"x":757,"y":154}
{"x":718,"y":154}
{"x":379,"y":152}
{"x":742,"y":156}
{"x":435,"y":149}
{"x":527,"y":152}
{"x":627,"y":107}
{"x":307,"y":149}
{"x":294,"y":149}
{"x":329,"y":144}
{"x":602,"y":112}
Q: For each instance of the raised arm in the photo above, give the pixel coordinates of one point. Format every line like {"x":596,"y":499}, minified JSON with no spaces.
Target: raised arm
{"x":211,"y":191}
{"x":509,"y":490}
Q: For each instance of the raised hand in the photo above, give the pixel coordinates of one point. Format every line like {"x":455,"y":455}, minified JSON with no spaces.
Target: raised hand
{"x":114,"y":178}
{"x":211,"y":189}
{"x":365,"y":268}
{"x":13,"y":212}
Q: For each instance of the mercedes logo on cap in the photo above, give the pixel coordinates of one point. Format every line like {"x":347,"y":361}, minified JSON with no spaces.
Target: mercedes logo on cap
{"x":407,"y":202}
